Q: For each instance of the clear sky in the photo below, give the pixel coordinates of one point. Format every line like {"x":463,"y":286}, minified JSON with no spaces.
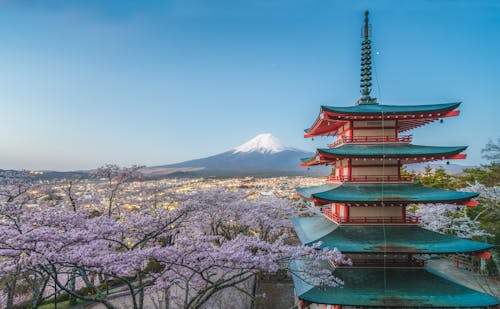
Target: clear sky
{"x":83,"y":83}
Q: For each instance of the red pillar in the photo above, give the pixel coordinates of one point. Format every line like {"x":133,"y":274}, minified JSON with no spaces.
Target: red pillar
{"x":349,"y":169}
{"x":399,"y":169}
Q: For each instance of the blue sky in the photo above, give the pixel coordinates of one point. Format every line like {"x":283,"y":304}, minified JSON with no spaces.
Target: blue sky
{"x":83,"y":83}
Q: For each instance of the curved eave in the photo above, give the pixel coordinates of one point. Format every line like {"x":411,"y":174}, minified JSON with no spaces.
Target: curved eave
{"x":394,"y":202}
{"x":389,"y":193}
{"x":408,"y":153}
{"x":307,"y":192}
{"x":396,"y":287}
{"x":387,"y":150}
{"x":314,"y":161}
{"x":331,"y":118}
{"x":331,"y":197}
{"x":380,"y":239}
{"x":323,"y":126}
{"x":391,"y":110}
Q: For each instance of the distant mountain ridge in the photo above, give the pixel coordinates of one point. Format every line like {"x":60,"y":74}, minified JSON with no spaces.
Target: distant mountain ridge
{"x":452,"y":169}
{"x":263,"y":155}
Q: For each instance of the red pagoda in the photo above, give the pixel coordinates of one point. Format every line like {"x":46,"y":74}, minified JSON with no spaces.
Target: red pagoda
{"x":364,"y":208}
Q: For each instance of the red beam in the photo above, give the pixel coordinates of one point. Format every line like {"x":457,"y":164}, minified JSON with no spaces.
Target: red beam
{"x":483,"y":255}
{"x":458,"y":156}
{"x":471,"y":203}
{"x":303,"y":303}
{"x":452,"y":113}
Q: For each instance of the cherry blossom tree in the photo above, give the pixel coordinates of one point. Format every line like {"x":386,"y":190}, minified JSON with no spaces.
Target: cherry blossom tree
{"x":448,"y":219}
{"x":192,"y":246}
{"x":18,"y":196}
{"x":455,"y":220}
{"x":236,"y":238}
{"x":115,"y":177}
{"x":489,"y":198}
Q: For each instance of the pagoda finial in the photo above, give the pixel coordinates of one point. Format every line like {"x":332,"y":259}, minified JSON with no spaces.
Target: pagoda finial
{"x":366,"y":28}
{"x":366,"y":66}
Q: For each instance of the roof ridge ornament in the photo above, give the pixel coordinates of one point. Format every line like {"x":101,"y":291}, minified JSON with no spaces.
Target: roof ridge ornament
{"x":366,"y":66}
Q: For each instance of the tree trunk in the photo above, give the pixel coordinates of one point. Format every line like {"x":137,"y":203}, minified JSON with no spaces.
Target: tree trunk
{"x":72,"y":286}
{"x":141,"y":291}
{"x":254,"y":291}
{"x":38,"y":287}
{"x":166,"y":298}
{"x":11,"y":288}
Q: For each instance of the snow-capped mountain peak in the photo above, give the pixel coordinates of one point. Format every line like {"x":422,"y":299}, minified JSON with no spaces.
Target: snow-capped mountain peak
{"x":263,"y":143}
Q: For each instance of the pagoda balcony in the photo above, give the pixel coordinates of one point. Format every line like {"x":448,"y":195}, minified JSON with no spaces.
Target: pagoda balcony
{"x":371,"y":178}
{"x":370,"y":139}
{"x":328,"y":213}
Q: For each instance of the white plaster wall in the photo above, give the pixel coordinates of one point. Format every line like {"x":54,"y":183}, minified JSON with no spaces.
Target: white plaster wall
{"x":393,"y":211}
{"x":375,"y":170}
{"x":374,"y":132}
{"x":386,"y":162}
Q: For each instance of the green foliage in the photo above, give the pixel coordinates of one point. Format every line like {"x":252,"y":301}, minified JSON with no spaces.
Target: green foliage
{"x":487,"y":213}
{"x":491,"y":151}
{"x":153,"y":267}
{"x":437,"y":178}
{"x":488,"y":175}
{"x":491,"y":267}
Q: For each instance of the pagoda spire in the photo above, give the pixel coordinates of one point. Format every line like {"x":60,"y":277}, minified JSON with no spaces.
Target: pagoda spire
{"x":366,"y":66}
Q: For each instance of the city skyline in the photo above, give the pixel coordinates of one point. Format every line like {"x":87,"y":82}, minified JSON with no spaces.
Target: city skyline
{"x":85,"y":84}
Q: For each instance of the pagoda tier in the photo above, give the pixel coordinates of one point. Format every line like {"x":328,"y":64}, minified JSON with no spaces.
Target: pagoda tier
{"x":402,"y":153}
{"x":386,"y":194}
{"x":332,"y":119}
{"x":386,"y":287}
{"x":379,"y":239}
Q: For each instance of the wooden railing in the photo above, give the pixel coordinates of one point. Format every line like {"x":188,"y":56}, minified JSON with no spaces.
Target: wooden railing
{"x":371,"y":139}
{"x":371,"y":178}
{"x":369,"y":220}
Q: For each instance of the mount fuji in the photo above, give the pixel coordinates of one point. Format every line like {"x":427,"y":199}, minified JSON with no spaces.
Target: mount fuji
{"x":263,"y":155}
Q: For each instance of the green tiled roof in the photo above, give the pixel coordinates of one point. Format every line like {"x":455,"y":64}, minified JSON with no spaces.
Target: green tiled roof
{"x":308,"y":192}
{"x":389,"y":109}
{"x":393,"y":150}
{"x":390,"y":287}
{"x":377,"y":192}
{"x":370,"y":238}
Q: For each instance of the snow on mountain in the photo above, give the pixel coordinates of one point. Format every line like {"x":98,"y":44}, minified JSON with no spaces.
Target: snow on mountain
{"x":263,"y":143}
